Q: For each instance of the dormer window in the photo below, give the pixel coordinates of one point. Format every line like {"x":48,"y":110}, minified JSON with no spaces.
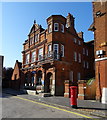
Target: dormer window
{"x":49,"y":28}
{"x":62,"y":28}
{"x":56,"y":26}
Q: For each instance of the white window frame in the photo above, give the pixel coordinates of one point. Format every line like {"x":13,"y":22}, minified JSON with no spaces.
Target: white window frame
{"x":79,"y":76}
{"x":56,"y":25}
{"x":57,"y":49}
{"x":75,"y":56}
{"x":49,"y":50}
{"x":36,"y":37}
{"x":39,"y":54}
{"x":31,"y":40}
{"x":62,"y":50}
{"x":33,"y":56}
{"x":27,"y":58}
{"x":62,"y":28}
{"x":50,"y":28}
{"x":79,"y":55}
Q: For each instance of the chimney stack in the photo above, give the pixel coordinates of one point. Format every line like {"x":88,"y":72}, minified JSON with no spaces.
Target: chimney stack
{"x":70,"y":20}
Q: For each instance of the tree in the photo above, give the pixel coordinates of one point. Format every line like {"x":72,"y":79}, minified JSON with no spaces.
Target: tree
{"x":6,"y":76}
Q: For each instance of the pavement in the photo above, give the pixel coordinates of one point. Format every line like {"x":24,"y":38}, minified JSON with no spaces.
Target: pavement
{"x":89,"y":107}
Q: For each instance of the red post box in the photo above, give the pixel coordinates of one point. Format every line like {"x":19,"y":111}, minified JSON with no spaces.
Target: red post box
{"x":73,"y":96}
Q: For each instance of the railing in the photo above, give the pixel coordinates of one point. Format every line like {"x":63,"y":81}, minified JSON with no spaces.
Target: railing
{"x":50,"y":55}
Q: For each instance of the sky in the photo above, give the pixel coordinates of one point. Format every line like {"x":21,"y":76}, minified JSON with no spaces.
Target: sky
{"x":17,"y":20}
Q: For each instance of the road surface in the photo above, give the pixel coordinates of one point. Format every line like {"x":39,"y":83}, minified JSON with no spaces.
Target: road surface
{"x":21,"y":106}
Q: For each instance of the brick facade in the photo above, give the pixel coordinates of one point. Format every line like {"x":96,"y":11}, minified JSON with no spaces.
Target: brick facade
{"x":53,"y":55}
{"x":16,"y":82}
{"x":100,"y":34}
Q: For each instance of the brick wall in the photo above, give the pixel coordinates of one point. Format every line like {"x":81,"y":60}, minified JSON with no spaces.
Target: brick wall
{"x":100,"y":34}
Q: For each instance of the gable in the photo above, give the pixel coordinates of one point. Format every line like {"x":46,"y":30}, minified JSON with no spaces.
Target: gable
{"x":16,"y":72}
{"x":34,"y":28}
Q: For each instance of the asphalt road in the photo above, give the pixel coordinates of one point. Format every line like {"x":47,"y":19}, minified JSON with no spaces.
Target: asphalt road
{"x":22,"y":107}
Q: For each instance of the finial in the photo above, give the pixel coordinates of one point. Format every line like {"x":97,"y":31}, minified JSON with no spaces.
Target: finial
{"x":34,"y":21}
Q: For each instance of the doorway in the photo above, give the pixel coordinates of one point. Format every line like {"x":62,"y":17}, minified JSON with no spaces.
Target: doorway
{"x":49,"y":83}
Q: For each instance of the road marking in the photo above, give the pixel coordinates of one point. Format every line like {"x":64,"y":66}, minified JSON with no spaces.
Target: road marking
{"x":54,"y":107}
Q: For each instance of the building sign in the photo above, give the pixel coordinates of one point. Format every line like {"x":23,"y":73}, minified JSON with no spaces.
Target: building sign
{"x":34,"y":72}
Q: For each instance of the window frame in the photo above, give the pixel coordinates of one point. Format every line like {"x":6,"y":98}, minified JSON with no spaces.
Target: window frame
{"x":75,"y":40}
{"x":78,"y":76}
{"x":87,"y":65}
{"x":75,"y":56}
{"x":57,"y":26}
{"x":84,"y":65}
{"x":79,"y":56}
{"x":57,"y":49}
{"x":50,"y":29}
{"x":49,"y":51}
{"x":83,"y":51}
{"x":62,"y":50}
{"x":62,"y":28}
{"x":33,"y":57}
{"x":87,"y":53}
{"x":79,"y":42}
{"x":40,"y":54}
{"x":27,"y":58}
{"x":71,"y":76}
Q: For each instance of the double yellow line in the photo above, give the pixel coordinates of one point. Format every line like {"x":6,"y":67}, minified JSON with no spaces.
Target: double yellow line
{"x":54,"y":107}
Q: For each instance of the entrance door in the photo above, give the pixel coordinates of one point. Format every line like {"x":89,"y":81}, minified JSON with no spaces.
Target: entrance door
{"x":50,"y":84}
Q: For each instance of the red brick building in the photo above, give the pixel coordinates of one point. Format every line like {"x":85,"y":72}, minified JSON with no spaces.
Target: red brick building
{"x":100,"y":35}
{"x":16,"y":79}
{"x":56,"y":54}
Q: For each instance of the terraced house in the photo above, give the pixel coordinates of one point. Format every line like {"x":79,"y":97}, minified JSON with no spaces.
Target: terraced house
{"x":56,"y":54}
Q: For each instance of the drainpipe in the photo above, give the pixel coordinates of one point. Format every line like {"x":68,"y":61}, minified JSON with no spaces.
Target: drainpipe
{"x":99,"y":86}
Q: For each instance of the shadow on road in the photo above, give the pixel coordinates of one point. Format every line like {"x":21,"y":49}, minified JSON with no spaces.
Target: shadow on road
{"x":7,"y":92}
